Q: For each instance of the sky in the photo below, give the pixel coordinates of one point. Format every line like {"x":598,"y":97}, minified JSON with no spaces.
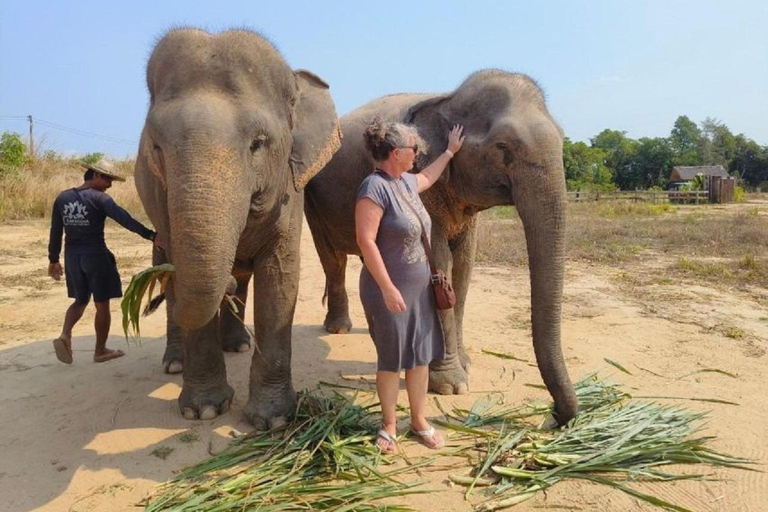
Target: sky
{"x":78,"y":67}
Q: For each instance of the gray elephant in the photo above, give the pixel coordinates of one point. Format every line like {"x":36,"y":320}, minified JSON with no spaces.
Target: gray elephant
{"x":231,"y":138}
{"x":513,"y":154}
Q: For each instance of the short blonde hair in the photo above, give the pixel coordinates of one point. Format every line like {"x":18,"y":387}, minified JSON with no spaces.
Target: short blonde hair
{"x":382,"y":137}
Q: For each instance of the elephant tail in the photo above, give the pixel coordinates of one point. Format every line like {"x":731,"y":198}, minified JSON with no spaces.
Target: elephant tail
{"x":153,"y":305}
{"x":325,"y":293}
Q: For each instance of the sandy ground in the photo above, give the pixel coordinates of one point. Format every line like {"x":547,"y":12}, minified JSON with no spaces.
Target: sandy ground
{"x":81,"y":437}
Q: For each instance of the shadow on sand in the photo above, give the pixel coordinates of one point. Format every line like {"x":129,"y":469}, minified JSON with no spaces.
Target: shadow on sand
{"x":63,"y":423}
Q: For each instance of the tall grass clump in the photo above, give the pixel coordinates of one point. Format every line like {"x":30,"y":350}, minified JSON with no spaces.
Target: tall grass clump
{"x":29,"y":191}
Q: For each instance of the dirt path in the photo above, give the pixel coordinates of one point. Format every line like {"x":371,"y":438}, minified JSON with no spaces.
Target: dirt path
{"x":82,"y":437}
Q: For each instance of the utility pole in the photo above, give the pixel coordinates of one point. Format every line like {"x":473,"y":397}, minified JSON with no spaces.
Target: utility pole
{"x":31,"y":138}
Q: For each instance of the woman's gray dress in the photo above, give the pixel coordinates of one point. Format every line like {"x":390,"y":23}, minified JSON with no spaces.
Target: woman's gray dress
{"x":415,"y":337}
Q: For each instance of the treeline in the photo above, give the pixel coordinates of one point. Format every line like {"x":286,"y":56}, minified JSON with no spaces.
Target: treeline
{"x":612,"y":160}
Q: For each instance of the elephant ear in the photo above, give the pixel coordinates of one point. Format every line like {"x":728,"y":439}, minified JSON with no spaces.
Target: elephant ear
{"x":150,"y":159}
{"x":432,"y":119}
{"x":316,"y":130}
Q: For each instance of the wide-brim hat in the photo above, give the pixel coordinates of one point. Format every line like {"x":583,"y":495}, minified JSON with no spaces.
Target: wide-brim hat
{"x":105,"y":167}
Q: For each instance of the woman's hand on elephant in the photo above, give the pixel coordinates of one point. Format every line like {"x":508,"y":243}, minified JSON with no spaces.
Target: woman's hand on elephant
{"x":455,"y":138}
{"x":394,"y":300}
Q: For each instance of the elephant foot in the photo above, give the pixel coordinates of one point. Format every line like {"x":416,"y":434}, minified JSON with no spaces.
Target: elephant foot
{"x":205,"y":403}
{"x":236,"y":343}
{"x":448,"y":378}
{"x":337,"y":324}
{"x":173,"y":359}
{"x":465,"y":360}
{"x":270,"y":409}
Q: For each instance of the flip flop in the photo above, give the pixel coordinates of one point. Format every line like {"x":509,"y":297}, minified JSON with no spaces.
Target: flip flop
{"x":423,"y":435}
{"x":112,"y":354}
{"x":63,"y":353}
{"x":391,"y":442}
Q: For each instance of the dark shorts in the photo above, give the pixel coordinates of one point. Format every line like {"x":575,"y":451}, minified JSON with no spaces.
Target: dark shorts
{"x":92,"y":274}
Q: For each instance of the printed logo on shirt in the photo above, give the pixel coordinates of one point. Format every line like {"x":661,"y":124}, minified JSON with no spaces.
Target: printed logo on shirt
{"x":75,"y":214}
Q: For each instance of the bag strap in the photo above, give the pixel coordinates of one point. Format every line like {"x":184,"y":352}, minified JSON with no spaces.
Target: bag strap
{"x":424,"y":237}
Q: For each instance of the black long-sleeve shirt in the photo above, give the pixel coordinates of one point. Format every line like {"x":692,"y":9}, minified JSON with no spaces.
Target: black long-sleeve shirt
{"x":80,"y":214}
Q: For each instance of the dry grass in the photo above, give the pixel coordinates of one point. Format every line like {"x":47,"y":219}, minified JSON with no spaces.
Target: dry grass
{"x":30,"y":192}
{"x":621,"y":232}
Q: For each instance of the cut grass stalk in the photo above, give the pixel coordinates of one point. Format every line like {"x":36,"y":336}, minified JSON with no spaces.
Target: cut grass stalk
{"x":613,"y":440}
{"x":134,"y":295}
{"x":324,"y":459}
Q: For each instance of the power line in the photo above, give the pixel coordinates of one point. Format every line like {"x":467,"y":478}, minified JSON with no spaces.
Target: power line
{"x":75,"y":131}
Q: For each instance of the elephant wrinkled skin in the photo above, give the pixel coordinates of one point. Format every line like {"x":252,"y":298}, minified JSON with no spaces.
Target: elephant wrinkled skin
{"x":231,"y":138}
{"x":512,"y":155}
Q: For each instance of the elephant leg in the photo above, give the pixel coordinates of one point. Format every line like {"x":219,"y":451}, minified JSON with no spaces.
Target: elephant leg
{"x":272,"y":398}
{"x":463,"y":251}
{"x":447,"y":377}
{"x":173,"y":358}
{"x":337,"y":320}
{"x":205,"y":393}
{"x":234,"y":336}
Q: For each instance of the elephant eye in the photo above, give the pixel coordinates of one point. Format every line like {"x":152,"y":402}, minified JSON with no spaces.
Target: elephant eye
{"x":258,"y":142}
{"x":501,"y":146}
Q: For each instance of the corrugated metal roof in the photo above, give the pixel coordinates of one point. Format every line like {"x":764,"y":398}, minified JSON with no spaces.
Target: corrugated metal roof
{"x":689,"y":172}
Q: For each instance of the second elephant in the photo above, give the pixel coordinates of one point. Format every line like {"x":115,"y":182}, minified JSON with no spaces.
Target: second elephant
{"x":512,"y":156}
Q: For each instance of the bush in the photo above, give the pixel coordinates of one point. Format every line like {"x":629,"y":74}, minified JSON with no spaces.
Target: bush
{"x":13,"y":152}
{"x":92,"y":158}
{"x":739,"y":196}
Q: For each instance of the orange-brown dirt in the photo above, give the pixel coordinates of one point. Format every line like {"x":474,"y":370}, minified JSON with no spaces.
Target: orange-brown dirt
{"x":82,"y":437}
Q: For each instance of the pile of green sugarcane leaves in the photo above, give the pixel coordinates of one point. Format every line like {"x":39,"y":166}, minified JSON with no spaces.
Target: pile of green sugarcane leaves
{"x":614,"y":440}
{"x":325,"y":458}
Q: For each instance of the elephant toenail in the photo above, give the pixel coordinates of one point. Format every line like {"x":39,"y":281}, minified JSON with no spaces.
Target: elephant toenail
{"x":189,"y":413}
{"x":208,"y":412}
{"x":174,"y":367}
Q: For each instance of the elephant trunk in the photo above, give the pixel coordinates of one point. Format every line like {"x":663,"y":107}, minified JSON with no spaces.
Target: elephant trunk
{"x":205,"y":230}
{"x":540,"y":198}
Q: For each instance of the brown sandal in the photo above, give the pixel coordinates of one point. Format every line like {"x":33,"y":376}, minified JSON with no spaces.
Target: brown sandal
{"x":108,"y":356}
{"x":63,"y":352}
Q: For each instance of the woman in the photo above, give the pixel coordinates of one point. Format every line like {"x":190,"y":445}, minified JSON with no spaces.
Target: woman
{"x":395,"y":282}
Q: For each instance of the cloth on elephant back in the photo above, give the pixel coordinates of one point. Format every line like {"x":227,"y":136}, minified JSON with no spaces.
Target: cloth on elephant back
{"x":415,"y":337}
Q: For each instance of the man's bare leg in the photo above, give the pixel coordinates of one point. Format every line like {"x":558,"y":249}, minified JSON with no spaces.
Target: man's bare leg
{"x":101,"y":324}
{"x":74,"y":314}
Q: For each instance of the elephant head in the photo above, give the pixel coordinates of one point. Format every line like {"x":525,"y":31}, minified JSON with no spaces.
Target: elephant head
{"x":513,"y":154}
{"x":232,"y":135}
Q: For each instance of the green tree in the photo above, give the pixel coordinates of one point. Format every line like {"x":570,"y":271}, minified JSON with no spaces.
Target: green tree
{"x":653,"y":162}
{"x":13,"y":151}
{"x":685,"y":141}
{"x":620,"y":152}
{"x":585,"y":167}
{"x":750,"y":161}
{"x":92,"y":158}
{"x":718,"y":143}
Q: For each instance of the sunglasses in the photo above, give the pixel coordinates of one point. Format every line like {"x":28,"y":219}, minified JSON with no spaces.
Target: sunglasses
{"x":415,"y":148}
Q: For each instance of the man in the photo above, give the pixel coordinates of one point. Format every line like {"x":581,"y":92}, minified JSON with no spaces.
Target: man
{"x":90,"y":267}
